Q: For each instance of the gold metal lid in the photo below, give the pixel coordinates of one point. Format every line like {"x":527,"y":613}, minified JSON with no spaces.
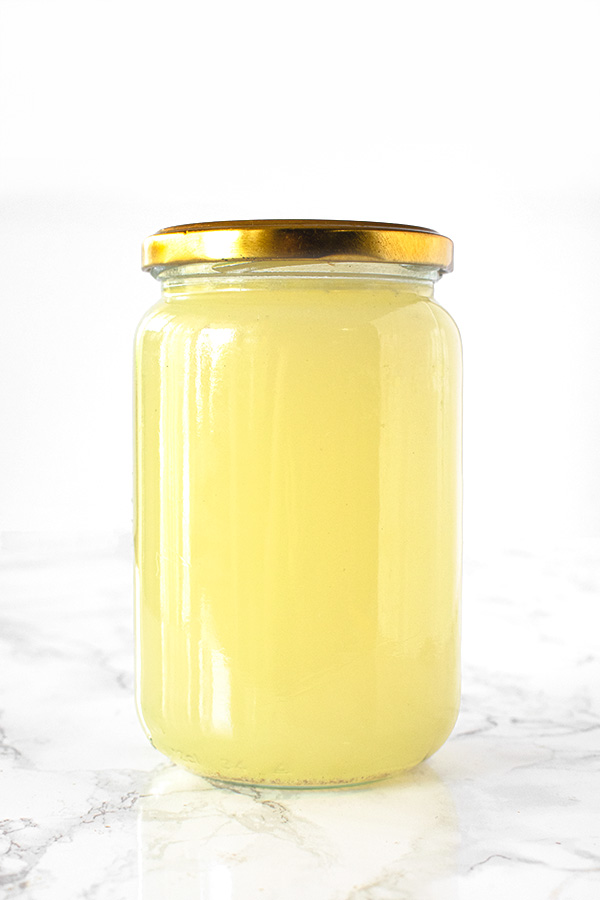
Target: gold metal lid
{"x":323,"y":239}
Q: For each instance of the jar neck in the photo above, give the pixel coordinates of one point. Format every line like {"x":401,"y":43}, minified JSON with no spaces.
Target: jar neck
{"x":176,"y":280}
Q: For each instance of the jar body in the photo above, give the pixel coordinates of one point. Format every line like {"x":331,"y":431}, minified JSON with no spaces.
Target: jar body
{"x":298,"y":524}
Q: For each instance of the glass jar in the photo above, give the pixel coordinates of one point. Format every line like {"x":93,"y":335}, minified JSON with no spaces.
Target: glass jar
{"x":297,"y":501}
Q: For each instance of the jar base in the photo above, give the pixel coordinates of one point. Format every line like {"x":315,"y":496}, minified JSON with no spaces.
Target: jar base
{"x":305,"y":785}
{"x":219,"y":768}
{"x":293,"y":783}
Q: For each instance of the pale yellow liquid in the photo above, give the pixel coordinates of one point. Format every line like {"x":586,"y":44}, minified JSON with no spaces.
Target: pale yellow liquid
{"x":297,"y":527}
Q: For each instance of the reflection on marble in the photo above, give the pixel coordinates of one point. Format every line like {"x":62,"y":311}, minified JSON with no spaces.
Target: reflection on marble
{"x":235,"y":842}
{"x":509,"y":806}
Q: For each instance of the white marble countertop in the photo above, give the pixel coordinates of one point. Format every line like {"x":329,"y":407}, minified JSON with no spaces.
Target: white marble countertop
{"x":509,"y":807}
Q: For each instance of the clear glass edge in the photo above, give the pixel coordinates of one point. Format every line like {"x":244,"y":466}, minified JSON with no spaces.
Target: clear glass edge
{"x":172,"y":275}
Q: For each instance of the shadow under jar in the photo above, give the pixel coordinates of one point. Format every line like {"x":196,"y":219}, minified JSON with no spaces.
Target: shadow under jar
{"x":297,"y":501}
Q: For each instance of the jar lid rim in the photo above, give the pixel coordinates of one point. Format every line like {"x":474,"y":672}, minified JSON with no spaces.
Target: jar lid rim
{"x":325,"y":239}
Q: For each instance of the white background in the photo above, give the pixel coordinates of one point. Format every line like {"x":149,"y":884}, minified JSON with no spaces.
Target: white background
{"x":477,"y":119}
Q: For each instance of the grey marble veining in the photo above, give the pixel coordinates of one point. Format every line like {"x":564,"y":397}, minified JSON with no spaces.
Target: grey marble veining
{"x":509,"y":806}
